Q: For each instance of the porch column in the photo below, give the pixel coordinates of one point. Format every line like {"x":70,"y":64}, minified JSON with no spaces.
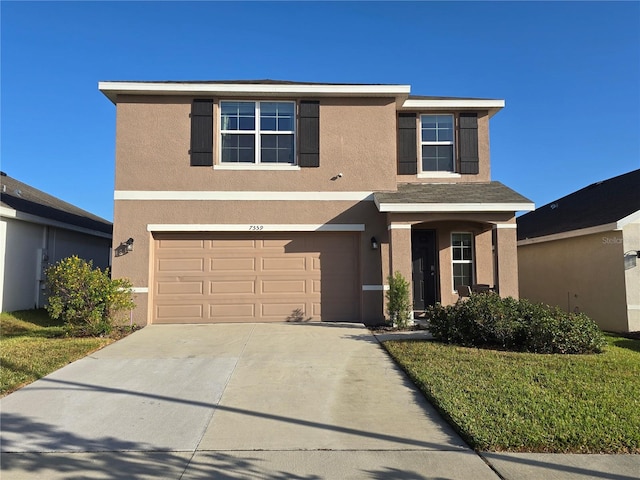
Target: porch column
{"x":400,"y":250}
{"x":507,"y":259}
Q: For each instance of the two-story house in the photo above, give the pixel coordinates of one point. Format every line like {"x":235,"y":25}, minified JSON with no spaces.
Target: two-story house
{"x":252,"y":201}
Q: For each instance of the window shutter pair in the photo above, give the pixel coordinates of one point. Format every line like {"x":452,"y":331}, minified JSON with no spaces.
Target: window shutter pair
{"x":467,"y":141}
{"x":202,"y":133}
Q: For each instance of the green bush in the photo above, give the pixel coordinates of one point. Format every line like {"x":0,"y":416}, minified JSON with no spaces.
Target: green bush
{"x":86,"y":299}
{"x":399,"y":300}
{"x":486,"y":320}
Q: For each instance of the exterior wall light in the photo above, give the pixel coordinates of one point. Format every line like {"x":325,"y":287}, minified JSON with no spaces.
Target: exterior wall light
{"x":374,"y":243}
{"x":124,"y":247}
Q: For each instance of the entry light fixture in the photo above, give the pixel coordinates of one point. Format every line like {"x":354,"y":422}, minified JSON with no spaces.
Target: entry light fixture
{"x":129,"y":244}
{"x":374,"y":243}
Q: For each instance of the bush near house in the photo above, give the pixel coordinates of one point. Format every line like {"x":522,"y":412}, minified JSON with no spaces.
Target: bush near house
{"x":398,"y":300}
{"x":487,"y":320}
{"x":86,"y":299}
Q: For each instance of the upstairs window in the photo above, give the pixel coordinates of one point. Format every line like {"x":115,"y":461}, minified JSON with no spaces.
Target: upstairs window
{"x":462,"y":259}
{"x":437,"y":143}
{"x":257,"y":132}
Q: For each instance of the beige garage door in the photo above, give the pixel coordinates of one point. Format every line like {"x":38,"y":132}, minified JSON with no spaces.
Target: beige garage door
{"x":244,"y":277}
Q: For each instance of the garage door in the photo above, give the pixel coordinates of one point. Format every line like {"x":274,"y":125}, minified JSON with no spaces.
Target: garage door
{"x":243,"y":277}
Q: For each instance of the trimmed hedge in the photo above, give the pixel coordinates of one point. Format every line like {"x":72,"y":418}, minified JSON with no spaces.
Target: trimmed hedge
{"x":487,"y":320}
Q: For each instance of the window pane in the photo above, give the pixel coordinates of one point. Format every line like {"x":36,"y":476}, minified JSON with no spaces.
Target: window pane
{"x":237,"y":115}
{"x":428,"y":135}
{"x":276,"y":149}
{"x":246,"y":123}
{"x":237,"y":148}
{"x":428,"y":121}
{"x":268,"y":123}
{"x":277,"y":116}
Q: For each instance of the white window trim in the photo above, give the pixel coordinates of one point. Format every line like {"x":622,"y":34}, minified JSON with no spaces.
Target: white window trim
{"x":257,"y":133}
{"x":472,"y":261}
{"x":439,"y":173}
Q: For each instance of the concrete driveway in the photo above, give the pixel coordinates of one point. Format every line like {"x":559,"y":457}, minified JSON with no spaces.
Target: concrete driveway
{"x":278,"y":401}
{"x":232,"y":401}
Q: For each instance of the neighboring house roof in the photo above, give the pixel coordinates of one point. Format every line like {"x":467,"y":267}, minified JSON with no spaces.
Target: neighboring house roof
{"x":601,"y":203}
{"x":452,"y":197}
{"x":25,"y":199}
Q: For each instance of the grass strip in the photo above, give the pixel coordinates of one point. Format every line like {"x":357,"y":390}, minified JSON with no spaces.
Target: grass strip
{"x":523,"y":402}
{"x":32,"y":346}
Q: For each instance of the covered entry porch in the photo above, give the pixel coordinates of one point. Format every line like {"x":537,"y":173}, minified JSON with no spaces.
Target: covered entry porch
{"x":443,"y":235}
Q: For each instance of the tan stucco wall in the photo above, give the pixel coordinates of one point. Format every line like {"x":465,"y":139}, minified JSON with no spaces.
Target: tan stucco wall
{"x":584,"y":274}
{"x":484,"y":174}
{"x":631,"y":242}
{"x":357,"y":139}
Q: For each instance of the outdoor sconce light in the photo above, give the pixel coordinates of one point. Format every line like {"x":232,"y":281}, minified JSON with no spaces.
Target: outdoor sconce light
{"x":374,"y":243}
{"x":124,"y":247}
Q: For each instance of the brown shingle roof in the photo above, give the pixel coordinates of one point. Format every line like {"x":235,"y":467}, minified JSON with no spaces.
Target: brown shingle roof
{"x":438,"y":193}
{"x":23,"y":198}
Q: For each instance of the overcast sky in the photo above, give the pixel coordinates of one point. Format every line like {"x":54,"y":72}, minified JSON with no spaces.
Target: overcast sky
{"x":568,"y":71}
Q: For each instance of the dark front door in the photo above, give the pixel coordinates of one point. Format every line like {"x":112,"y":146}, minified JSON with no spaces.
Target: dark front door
{"x":425,"y":274}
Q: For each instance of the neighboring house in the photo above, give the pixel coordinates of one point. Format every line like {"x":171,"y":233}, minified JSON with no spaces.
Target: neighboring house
{"x":271,"y":201}
{"x":37,"y":230}
{"x":581,"y":253}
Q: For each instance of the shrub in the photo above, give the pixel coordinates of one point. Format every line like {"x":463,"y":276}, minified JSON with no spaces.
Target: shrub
{"x":399,"y":300}
{"x":486,"y":320}
{"x":86,"y":299}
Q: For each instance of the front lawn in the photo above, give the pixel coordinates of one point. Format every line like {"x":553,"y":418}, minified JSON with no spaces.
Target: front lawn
{"x":524,"y":402}
{"x":32,"y":346}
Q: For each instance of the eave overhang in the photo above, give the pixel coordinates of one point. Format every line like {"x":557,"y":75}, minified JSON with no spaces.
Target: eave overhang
{"x":493,"y":106}
{"x":112,"y":89}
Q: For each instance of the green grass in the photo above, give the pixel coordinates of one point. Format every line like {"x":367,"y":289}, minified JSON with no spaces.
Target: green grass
{"x":32,"y":346}
{"x":505,"y":401}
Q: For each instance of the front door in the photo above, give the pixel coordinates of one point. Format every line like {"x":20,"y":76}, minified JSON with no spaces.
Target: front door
{"x":425,"y":273}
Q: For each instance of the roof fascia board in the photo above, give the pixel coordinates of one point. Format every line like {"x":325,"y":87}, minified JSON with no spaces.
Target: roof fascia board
{"x":113,"y":89}
{"x":27,"y":217}
{"x":570,"y":234}
{"x":452,"y":207}
{"x":447,"y":104}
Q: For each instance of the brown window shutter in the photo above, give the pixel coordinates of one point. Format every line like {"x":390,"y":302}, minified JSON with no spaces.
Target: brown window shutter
{"x":201,"y":133}
{"x":407,"y":151}
{"x":468,"y":142}
{"x":309,"y":134}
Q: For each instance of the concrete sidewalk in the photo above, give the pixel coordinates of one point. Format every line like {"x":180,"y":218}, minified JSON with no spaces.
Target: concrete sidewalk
{"x":237,"y":401}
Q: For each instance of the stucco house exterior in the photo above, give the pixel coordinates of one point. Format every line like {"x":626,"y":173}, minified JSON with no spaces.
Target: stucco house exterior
{"x":581,"y":253}
{"x":38,"y":230}
{"x":252,"y":201}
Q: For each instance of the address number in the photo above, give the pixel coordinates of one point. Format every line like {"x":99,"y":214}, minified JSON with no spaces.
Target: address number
{"x":256,"y":227}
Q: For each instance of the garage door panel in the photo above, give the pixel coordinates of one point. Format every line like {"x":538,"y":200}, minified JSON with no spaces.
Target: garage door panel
{"x":225,"y":287}
{"x":180,"y":244}
{"x":282,"y":310}
{"x":232,"y":311}
{"x":284,"y":286}
{"x":238,"y":277}
{"x":231,"y":264}
{"x":286,"y":264}
{"x":180,"y":288}
{"x":170,"y":312}
{"x":232,"y":244}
